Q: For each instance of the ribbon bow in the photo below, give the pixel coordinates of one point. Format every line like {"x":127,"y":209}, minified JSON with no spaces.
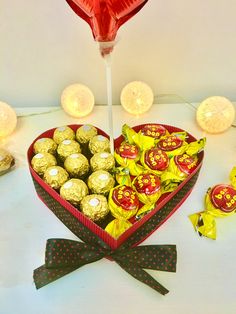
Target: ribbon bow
{"x":64,"y":256}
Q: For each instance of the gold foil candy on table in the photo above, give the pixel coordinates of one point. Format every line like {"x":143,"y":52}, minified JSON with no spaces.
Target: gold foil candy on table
{"x":147,"y":187}
{"x":100,"y":182}
{"x":63,"y":133}
{"x":42,"y":161}
{"x":85,"y":133}
{"x":117,"y":227}
{"x":220,"y":201}
{"x":6,"y":161}
{"x":67,"y":148}
{"x":142,"y":141}
{"x":102,"y":161}
{"x":98,"y":144}
{"x":76,"y":165}
{"x":95,"y":207}
{"x":74,"y":191}
{"x":123,"y":202}
{"x":55,"y":176}
{"x":45,"y":145}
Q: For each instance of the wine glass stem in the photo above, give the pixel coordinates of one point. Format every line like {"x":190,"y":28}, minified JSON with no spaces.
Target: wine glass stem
{"x":107,"y":59}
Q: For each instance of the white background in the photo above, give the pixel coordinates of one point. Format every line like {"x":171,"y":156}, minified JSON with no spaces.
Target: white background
{"x":185,"y":47}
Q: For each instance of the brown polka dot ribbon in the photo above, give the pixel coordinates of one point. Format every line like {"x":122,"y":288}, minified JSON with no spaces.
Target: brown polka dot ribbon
{"x":64,"y":256}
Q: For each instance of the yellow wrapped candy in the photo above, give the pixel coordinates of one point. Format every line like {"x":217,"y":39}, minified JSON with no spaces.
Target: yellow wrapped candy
{"x":147,"y":187}
{"x":117,"y":227}
{"x":142,"y":141}
{"x":180,"y":167}
{"x":220,"y":201}
{"x":154,"y":160}
{"x":127,"y":156}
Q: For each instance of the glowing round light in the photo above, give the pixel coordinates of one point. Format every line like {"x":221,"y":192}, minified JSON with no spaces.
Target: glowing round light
{"x":136,"y":97}
{"x":215,"y":114}
{"x":77,"y":100}
{"x":8,"y":120}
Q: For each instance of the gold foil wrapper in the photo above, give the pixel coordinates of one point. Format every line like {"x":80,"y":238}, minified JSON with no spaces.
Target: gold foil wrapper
{"x":67,"y":148}
{"x":102,"y":161}
{"x":74,"y":191}
{"x":45,"y":145}
{"x":6,"y":161}
{"x":95,"y":207}
{"x":98,"y":144}
{"x":101,"y":182}
{"x":77,"y":165}
{"x":55,"y":176}
{"x":42,"y":161}
{"x":117,"y":227}
{"x":63,"y":133}
{"x":85,"y":133}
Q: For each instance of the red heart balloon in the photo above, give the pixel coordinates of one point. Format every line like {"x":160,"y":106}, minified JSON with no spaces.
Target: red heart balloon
{"x":106,"y":16}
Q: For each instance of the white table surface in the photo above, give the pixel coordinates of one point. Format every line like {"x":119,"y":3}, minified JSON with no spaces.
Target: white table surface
{"x":205,"y":281}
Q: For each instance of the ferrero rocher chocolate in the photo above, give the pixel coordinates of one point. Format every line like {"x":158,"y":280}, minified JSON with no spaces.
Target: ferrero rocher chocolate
{"x":123,"y":202}
{"x":63,"y":133}
{"x":41,"y":161}
{"x":95,"y":207}
{"x":6,"y":161}
{"x":99,"y":143}
{"x":67,"y":148}
{"x":85,"y":133}
{"x":100,"y":182}
{"x":76,"y":165}
{"x":45,"y":145}
{"x":55,"y":176}
{"x":102,"y":161}
{"x":74,"y":191}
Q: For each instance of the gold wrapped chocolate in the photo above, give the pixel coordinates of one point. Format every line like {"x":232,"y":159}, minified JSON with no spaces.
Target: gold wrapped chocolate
{"x":85,"y":133}
{"x":99,"y":143}
{"x":6,"y":161}
{"x":102,"y":161}
{"x":55,"y":176}
{"x":100,"y":182}
{"x":67,"y":148}
{"x":45,"y":145}
{"x":76,"y":165}
{"x":95,"y":207}
{"x":220,"y":201}
{"x":63,"y":133}
{"x":74,"y":191}
{"x":40,"y":162}
{"x":117,"y":227}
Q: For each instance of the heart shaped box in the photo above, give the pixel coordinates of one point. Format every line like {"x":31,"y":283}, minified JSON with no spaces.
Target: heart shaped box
{"x":87,"y":230}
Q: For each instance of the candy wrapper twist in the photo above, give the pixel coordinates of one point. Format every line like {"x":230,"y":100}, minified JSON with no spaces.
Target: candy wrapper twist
{"x":220,"y":201}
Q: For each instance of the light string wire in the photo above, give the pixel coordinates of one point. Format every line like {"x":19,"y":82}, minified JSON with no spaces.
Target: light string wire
{"x":156,"y":100}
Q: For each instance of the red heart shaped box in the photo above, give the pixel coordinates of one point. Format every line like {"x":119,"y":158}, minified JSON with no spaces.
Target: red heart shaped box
{"x":71,"y":216}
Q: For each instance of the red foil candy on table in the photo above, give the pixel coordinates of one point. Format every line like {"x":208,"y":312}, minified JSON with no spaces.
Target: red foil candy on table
{"x":220,"y":201}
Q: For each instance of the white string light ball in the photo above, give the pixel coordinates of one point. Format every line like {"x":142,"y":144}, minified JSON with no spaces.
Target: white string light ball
{"x":215,"y":114}
{"x":136,"y":97}
{"x":77,"y":100}
{"x":8,"y":120}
